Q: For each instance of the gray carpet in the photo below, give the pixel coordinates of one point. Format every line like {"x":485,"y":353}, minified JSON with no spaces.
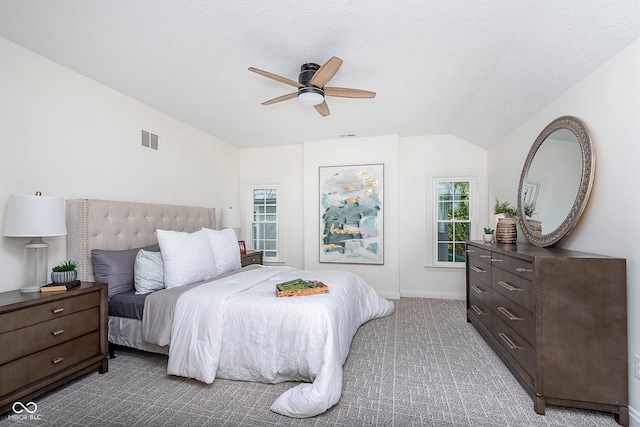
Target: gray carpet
{"x":422,"y":366}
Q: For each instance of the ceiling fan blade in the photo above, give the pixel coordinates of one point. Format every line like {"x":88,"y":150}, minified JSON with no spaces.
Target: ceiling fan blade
{"x":326,"y":72}
{"x":323,"y":108}
{"x":276,"y":77}
{"x":281,"y":98}
{"x":344,"y":92}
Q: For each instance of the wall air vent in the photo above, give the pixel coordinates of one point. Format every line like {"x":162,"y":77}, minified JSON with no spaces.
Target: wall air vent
{"x":149,"y":140}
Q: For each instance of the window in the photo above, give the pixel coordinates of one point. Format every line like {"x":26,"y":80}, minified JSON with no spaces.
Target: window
{"x":264,"y":221}
{"x":453,"y":219}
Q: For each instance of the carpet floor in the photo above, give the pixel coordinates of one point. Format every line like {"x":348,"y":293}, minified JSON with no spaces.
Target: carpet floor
{"x":422,"y":366}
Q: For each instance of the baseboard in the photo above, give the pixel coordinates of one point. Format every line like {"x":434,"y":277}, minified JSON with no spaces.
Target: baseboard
{"x":389,"y":295}
{"x":436,"y":295}
{"x":634,"y":417}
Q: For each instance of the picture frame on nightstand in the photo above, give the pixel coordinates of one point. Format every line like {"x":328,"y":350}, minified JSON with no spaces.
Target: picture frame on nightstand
{"x":243,"y":247}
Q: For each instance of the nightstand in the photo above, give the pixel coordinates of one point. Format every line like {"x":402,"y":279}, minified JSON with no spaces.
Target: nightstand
{"x":48,"y":339}
{"x":251,"y":258}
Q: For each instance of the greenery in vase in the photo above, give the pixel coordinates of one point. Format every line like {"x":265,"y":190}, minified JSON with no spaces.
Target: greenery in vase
{"x":488,"y":230}
{"x":530,"y":209}
{"x":504,"y":208}
{"x":65,"y":266}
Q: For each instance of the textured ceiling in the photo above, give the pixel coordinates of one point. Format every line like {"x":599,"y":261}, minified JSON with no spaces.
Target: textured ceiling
{"x":476,"y":69}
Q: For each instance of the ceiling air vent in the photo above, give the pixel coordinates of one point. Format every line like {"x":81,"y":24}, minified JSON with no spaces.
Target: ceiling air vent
{"x":149,"y":140}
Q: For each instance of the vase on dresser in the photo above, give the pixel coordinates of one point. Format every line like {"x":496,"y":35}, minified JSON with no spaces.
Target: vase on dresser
{"x":506,"y":231}
{"x":64,"y":276}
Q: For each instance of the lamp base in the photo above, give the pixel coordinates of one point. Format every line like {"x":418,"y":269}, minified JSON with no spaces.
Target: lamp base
{"x":35,"y":265}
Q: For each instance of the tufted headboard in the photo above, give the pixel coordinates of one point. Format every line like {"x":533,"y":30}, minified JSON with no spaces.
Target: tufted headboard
{"x":113,"y":225}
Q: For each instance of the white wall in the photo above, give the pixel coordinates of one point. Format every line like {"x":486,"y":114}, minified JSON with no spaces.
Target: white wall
{"x":421,"y":159}
{"x":608,"y":101}
{"x":282,"y":166}
{"x":353,"y":151}
{"x":407,"y":163}
{"x":65,"y":135}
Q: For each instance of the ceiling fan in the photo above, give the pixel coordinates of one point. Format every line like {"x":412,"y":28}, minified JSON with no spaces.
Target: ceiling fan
{"x":310,"y":84}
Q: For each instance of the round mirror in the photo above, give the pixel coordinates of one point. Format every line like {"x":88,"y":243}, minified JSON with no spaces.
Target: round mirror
{"x":556,"y":181}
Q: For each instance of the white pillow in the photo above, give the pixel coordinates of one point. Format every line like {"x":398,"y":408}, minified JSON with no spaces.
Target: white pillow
{"x":148,"y":272}
{"x":226,"y":251}
{"x":187,"y":257}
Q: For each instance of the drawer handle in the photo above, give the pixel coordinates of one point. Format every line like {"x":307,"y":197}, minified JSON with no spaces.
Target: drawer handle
{"x":477,"y":290}
{"x":470,"y":251}
{"x":478,"y":269}
{"x":477,"y":310}
{"x":507,"y":286}
{"x":508,"y":314}
{"x":57,"y":310}
{"x":511,"y":344}
{"x":57,"y":360}
{"x":524,"y":270}
{"x":496,"y":260}
{"x":57,"y":332}
{"x":485,"y":256}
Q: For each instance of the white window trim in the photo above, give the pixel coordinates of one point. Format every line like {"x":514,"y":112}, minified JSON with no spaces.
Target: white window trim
{"x":280,"y":247}
{"x":477,"y":211}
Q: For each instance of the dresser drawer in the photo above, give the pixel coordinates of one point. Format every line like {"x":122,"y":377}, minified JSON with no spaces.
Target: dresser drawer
{"x":515,"y":345}
{"x":480,"y":290}
{"x":518,"y":319}
{"x":516,"y":288}
{"x":479,"y":253}
{"x":478,"y":310}
{"x":515,"y":266}
{"x":29,"y":369}
{"x":251,"y":258}
{"x":41,"y":313}
{"x":43,"y":335}
{"x":479,"y":270}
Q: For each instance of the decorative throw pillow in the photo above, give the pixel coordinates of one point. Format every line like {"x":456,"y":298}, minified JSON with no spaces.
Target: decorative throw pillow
{"x":115,"y":267}
{"x":148,"y":274}
{"x":187,"y":257}
{"x":226,"y":251}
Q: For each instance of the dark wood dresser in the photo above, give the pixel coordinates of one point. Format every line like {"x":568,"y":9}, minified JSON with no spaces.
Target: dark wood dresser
{"x":251,"y":258}
{"x":48,"y":339}
{"x":557,"y":319}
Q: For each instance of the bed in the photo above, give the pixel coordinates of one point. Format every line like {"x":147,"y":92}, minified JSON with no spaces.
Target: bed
{"x":212,"y":317}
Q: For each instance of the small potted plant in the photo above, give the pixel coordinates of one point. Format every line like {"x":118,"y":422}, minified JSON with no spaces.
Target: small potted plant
{"x":65,"y":272}
{"x":488,"y":235}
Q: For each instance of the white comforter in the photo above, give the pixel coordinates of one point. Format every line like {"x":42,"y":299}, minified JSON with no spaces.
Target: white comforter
{"x":237,"y":328}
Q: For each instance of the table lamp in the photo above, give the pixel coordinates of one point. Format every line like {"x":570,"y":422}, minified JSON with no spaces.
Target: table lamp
{"x":36,"y":217}
{"x":230,"y":218}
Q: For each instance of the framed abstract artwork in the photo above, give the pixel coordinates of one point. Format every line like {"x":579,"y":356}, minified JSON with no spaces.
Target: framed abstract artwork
{"x":351,"y":214}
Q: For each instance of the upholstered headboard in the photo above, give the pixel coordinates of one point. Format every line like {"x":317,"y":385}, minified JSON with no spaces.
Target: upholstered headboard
{"x":113,"y":225}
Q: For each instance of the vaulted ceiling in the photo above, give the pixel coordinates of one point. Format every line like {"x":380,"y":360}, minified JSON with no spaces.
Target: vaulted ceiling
{"x":475,"y":69}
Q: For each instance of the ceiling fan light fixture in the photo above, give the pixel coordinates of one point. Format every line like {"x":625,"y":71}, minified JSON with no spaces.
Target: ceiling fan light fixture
{"x":311,"y":95}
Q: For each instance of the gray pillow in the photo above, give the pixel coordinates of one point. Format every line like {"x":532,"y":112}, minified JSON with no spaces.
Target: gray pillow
{"x":116,"y":267}
{"x":148,"y":272}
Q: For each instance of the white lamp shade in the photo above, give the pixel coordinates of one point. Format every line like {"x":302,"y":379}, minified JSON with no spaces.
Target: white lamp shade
{"x":310,"y":98}
{"x":230,"y":218}
{"x":35,"y":216}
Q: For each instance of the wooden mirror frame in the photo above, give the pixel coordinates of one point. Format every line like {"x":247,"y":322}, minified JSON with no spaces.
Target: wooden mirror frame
{"x":578,"y":128}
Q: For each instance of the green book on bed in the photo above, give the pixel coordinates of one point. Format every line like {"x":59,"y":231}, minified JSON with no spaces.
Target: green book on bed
{"x":299,"y":287}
